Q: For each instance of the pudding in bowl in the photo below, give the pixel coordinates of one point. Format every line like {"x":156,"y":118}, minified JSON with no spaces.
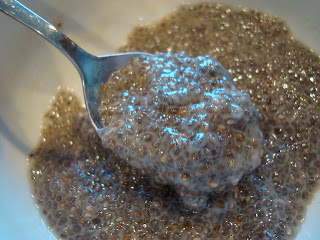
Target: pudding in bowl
{"x":238,"y":83}
{"x":85,"y":189}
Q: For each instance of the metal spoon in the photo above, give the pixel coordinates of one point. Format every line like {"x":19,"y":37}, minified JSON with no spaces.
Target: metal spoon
{"x":94,"y":70}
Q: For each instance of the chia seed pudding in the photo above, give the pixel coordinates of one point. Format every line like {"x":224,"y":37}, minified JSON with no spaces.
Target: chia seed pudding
{"x":184,"y":122}
{"x":85,"y":191}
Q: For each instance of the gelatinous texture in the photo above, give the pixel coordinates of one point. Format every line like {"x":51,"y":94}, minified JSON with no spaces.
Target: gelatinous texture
{"x":85,"y":192}
{"x":184,"y":122}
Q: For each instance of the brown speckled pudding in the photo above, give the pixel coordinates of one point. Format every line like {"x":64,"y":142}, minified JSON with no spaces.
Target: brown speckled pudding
{"x":85,"y":192}
{"x":184,"y":122}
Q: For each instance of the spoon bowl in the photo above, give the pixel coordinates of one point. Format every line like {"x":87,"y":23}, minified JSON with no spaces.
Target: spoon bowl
{"x":93,"y":70}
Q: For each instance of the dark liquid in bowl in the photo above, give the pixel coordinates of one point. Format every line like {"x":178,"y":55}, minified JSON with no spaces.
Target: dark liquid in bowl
{"x":85,"y":192}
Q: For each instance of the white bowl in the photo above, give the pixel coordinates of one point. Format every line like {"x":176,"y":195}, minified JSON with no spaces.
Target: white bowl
{"x":31,"y":71}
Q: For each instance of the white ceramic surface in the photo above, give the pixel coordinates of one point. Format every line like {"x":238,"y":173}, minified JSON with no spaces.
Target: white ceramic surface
{"x":31,"y":71}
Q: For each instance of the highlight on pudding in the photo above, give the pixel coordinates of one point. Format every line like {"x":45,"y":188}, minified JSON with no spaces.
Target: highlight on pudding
{"x":184,"y":122}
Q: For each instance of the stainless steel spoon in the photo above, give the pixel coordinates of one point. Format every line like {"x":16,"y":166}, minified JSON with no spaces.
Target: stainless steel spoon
{"x":94,"y":70}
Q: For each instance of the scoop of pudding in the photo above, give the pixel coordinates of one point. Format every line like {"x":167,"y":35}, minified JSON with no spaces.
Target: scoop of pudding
{"x":184,"y":122}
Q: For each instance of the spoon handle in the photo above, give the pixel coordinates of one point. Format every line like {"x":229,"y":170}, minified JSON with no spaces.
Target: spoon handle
{"x":24,"y":15}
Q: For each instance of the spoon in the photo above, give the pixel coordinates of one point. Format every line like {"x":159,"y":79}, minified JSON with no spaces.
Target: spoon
{"x":94,"y":70}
